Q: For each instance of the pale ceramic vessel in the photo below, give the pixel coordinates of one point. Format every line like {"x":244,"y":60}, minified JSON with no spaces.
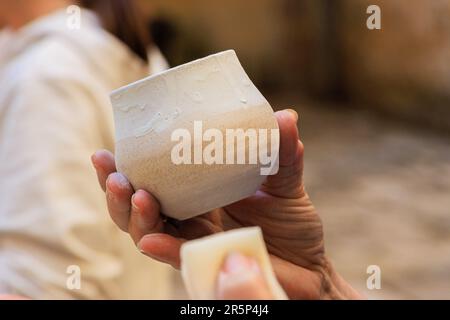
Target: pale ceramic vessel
{"x":215,"y":90}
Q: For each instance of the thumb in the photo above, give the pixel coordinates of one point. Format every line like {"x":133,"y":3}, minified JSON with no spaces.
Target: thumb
{"x":241,"y":279}
{"x":287,"y":182}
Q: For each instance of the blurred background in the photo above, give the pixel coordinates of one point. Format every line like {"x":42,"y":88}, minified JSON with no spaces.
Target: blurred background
{"x":374,"y":110}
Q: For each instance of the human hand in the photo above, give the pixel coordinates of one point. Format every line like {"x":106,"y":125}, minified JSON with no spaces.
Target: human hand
{"x":240,"y":278}
{"x":291,"y":226}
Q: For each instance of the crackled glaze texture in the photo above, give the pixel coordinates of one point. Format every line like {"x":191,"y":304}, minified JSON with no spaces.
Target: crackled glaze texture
{"x":215,"y":90}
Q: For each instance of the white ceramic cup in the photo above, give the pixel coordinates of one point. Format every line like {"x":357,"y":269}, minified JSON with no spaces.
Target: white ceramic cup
{"x":168,"y":131}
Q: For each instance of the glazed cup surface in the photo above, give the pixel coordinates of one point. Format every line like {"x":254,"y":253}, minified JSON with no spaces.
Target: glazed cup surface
{"x":215,"y":92}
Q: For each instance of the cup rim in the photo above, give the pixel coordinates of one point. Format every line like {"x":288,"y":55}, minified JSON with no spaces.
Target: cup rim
{"x":171,"y":70}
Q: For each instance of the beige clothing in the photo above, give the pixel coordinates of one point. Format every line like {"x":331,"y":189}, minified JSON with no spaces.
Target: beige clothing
{"x":54,"y":113}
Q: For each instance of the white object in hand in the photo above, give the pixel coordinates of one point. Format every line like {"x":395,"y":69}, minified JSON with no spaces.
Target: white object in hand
{"x":208,"y":101}
{"x":202,"y":259}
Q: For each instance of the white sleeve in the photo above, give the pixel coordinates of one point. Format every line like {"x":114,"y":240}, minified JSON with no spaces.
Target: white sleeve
{"x":52,"y":211}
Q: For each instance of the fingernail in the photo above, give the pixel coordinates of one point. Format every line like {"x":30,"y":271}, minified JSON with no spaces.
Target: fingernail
{"x":133,"y":203}
{"x":293,"y":112}
{"x":140,"y":219}
{"x":93,"y":161}
{"x":107,"y":183}
{"x":238,"y":263}
{"x":139,"y":245}
{"x":122,"y":180}
{"x":236,"y":270}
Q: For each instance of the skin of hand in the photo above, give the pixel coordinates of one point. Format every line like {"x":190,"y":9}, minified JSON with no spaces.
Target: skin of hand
{"x":11,"y":297}
{"x":240,"y":278}
{"x":291,"y":227}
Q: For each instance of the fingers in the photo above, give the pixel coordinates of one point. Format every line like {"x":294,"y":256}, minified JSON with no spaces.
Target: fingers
{"x":145,"y":215}
{"x":162,"y":247}
{"x":118,"y":198}
{"x":104,"y":164}
{"x":241,"y":279}
{"x":287,"y":123}
{"x":136,"y":213}
{"x":198,"y":227}
{"x":287,"y":183}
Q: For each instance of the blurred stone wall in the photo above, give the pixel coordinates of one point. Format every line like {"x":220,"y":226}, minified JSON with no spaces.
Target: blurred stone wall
{"x":251,"y":27}
{"x":323,"y":48}
{"x":308,"y":53}
{"x":404,"y":68}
